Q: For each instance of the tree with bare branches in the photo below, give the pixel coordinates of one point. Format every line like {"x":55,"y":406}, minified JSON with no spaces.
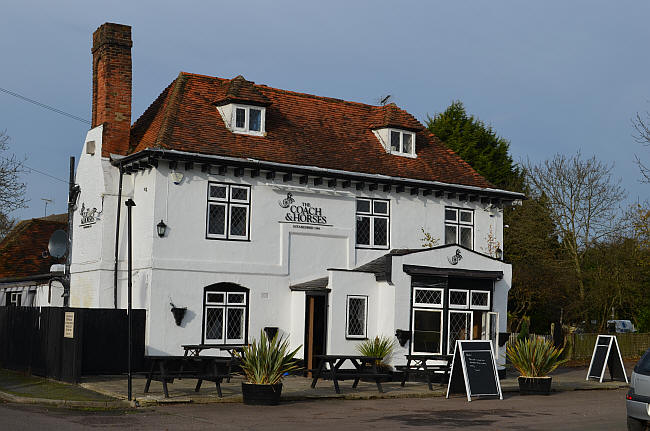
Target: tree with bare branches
{"x":642,"y":136}
{"x":12,"y":190}
{"x":584,"y":201}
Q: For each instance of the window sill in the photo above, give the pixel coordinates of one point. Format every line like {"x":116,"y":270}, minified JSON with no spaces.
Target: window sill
{"x":407,"y":155}
{"x":249,"y":133}
{"x":367,"y":247}
{"x":355,"y":337}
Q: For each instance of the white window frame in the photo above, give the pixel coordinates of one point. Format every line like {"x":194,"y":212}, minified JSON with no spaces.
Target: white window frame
{"x":401,"y":151}
{"x":372,"y":215}
{"x":458,"y":306}
{"x":228,"y":203}
{"x":246,"y":129}
{"x":347,"y":317}
{"x":426,"y":305}
{"x":15,"y":299}
{"x":479,"y":307}
{"x":450,"y":348}
{"x":225,"y":306}
{"x":458,"y":224}
{"x":488,"y":330}
{"x":442,"y":329}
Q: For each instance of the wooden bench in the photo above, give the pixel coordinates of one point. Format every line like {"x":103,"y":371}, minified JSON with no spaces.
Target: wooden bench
{"x":420,"y":364}
{"x":165,"y":369}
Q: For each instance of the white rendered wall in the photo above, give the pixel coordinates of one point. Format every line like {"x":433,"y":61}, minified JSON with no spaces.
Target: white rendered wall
{"x":177,"y":267}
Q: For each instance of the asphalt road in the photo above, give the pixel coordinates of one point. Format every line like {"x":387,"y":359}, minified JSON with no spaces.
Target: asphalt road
{"x":577,"y":410}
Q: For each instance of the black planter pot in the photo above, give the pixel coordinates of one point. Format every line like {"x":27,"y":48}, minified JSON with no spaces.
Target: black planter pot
{"x":261,"y":395}
{"x":535,"y":385}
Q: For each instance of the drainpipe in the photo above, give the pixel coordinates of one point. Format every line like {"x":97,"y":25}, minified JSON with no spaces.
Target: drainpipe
{"x":117,"y":237}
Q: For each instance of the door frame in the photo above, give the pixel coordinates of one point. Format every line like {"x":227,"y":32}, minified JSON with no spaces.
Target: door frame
{"x":308,"y":348}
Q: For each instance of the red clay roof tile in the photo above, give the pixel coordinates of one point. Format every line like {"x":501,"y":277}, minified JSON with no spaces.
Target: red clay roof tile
{"x":21,"y":251}
{"x":302,"y":129}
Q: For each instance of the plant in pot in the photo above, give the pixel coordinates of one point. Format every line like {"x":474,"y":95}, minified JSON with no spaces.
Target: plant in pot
{"x":264,"y":362}
{"x":535,"y":359}
{"x":379,"y":347}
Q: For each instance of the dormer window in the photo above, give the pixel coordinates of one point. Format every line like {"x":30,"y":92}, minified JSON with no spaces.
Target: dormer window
{"x":402,"y":142}
{"x":249,"y":119}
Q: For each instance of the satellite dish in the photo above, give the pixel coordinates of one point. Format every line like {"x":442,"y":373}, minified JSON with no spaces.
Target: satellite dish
{"x":58,"y":244}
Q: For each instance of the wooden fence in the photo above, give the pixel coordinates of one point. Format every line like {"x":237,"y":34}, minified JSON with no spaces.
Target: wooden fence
{"x":579,"y":347}
{"x":94,"y":341}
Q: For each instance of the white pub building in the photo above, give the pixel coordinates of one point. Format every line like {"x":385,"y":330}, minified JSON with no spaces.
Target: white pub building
{"x":264,"y":208}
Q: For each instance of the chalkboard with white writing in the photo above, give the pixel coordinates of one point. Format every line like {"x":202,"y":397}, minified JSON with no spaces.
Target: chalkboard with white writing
{"x":474,"y":370}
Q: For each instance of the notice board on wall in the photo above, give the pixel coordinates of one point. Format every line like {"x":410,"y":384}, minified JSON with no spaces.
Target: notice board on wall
{"x":606,"y":355}
{"x":474,"y":370}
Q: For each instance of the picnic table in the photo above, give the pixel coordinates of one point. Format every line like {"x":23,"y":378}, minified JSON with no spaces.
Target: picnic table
{"x":364,"y":367}
{"x":196,"y":349}
{"x":420,"y":364}
{"x":165,"y":369}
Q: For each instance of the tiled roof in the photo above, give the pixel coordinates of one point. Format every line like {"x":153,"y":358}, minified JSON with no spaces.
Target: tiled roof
{"x":240,"y":90}
{"x":302,"y":129}
{"x":21,"y":251}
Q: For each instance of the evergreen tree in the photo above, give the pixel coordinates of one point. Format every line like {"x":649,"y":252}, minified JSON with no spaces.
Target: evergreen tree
{"x":477,"y":144}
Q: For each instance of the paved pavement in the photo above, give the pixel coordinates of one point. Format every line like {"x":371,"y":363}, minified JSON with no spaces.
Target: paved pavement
{"x":298,"y":388}
{"x":575,"y":410}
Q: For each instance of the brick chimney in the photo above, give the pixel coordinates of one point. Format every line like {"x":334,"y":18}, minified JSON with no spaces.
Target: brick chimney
{"x":112,"y":86}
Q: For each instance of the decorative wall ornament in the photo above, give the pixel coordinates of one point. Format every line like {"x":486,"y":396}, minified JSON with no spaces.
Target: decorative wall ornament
{"x":455,"y":258}
{"x":88,"y":215}
{"x":286,"y":202}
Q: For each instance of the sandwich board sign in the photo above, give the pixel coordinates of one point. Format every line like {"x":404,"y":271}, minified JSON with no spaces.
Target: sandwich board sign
{"x":606,"y":354}
{"x":474,"y":370}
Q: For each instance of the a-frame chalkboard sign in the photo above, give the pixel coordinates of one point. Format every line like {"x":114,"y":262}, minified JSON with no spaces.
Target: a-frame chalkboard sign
{"x":606,"y":354}
{"x":474,"y":370}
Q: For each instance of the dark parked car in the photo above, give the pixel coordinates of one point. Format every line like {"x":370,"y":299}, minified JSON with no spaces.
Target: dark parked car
{"x":638,"y":398}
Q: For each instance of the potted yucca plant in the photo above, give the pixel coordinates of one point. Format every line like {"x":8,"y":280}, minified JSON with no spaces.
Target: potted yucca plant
{"x":264,"y":362}
{"x":380,"y":347}
{"x":535,"y":359}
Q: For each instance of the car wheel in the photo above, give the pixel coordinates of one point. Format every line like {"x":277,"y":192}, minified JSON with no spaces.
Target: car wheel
{"x":634,"y":424}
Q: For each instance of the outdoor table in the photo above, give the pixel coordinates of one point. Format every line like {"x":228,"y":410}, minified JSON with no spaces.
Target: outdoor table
{"x":167,"y":368}
{"x":194,"y":350}
{"x":364,"y":366}
{"x":420,"y":364}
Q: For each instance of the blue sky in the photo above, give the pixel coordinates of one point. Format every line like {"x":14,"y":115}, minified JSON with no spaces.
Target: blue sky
{"x":552,"y":76}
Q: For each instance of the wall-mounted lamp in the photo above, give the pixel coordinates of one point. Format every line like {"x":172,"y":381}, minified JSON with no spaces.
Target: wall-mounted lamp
{"x":161,"y":228}
{"x":499,"y":253}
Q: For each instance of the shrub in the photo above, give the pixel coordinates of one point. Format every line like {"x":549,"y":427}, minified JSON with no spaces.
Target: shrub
{"x":379,"y":347}
{"x":534,"y":357}
{"x":265,"y":361}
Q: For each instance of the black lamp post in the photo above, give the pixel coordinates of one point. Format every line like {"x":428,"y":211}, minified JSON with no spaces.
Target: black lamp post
{"x":161,"y":228}
{"x":130,"y":204}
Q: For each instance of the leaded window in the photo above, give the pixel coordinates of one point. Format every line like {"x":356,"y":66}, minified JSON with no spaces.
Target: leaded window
{"x":357,"y":317}
{"x":427,"y":297}
{"x":459,"y":227}
{"x":373,"y":223}
{"x":480,"y":299}
{"x":225,"y":314}
{"x":228,"y":212}
{"x":458,"y":298}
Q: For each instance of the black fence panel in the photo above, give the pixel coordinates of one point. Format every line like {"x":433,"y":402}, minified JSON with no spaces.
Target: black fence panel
{"x":105,"y":341}
{"x":33,"y":340}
